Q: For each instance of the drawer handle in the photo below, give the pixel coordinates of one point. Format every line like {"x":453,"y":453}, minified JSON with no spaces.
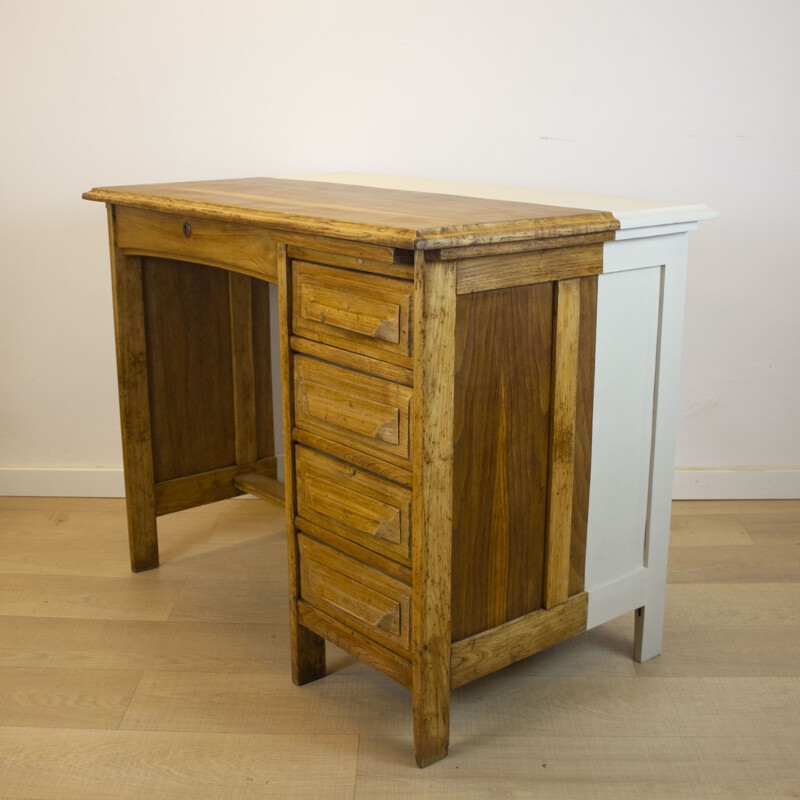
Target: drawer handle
{"x":349,"y":312}
{"x":355,"y":413}
{"x":388,"y":622}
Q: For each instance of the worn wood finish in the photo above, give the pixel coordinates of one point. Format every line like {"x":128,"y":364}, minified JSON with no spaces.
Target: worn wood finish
{"x":368,"y":314}
{"x":307,"y":648}
{"x":353,"y":408}
{"x":262,"y":486}
{"x":134,"y":402}
{"x":518,"y":269}
{"x":362,"y":647}
{"x":562,"y":441}
{"x":401,"y":219}
{"x":516,"y":639}
{"x":502,"y":419}
{"x":357,"y":457}
{"x":357,"y":505}
{"x":432,"y":428}
{"x":187,"y":315}
{"x":583,"y":434}
{"x":189,"y":491}
{"x":262,"y":364}
{"x":347,"y":358}
{"x":395,"y":266}
{"x":243,"y":367}
{"x":391,"y":566}
{"x":242,"y":248}
{"x":351,"y":254}
{"x":350,"y":591}
{"x":504,"y":248}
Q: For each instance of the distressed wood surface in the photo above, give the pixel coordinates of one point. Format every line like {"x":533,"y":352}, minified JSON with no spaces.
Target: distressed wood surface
{"x":242,"y":248}
{"x":501,"y":432}
{"x":516,"y":639}
{"x":583,"y":434}
{"x":432,"y":429}
{"x":391,"y":566}
{"x":347,"y":358}
{"x":356,"y":594}
{"x":367,"y":314}
{"x":389,"y":217}
{"x":518,"y":269}
{"x":355,"y":504}
{"x":202,"y":488}
{"x":262,"y":364}
{"x":243,"y":367}
{"x":562,"y":442}
{"x":307,"y":648}
{"x":359,"y":458}
{"x":392,"y":263}
{"x":355,"y":409}
{"x":362,"y":647}
{"x":506,"y":248}
{"x":134,"y":403}
{"x":262,"y":486}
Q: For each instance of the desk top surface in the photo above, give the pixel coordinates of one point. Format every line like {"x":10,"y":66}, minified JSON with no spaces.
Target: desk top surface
{"x":416,"y":220}
{"x":410,"y":213}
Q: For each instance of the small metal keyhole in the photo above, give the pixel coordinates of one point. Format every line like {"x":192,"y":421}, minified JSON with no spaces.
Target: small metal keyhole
{"x":187,"y":229}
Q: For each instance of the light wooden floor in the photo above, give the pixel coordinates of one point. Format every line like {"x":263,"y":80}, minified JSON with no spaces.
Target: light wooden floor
{"x":175,"y":683}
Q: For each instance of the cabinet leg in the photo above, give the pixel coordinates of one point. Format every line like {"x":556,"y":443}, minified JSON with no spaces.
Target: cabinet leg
{"x":649,"y":629}
{"x":308,"y":655}
{"x":431,"y":707}
{"x":142,"y":533}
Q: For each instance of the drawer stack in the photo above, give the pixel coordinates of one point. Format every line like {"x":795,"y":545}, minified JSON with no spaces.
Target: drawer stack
{"x":351,"y":389}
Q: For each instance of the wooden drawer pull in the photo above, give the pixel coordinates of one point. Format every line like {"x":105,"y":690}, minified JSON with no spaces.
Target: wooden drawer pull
{"x":345,"y":594}
{"x":368,"y":317}
{"x":362,"y":415}
{"x":364,"y":513}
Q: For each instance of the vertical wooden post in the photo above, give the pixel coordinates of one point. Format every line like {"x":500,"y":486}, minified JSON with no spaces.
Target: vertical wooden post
{"x":243,"y":367}
{"x":308,"y":649}
{"x":134,"y":403}
{"x":562,"y":441}
{"x":432,"y":512}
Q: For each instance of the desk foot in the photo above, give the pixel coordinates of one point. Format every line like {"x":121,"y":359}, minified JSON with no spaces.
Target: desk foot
{"x":431,"y":710}
{"x":142,"y":536}
{"x":308,"y":656}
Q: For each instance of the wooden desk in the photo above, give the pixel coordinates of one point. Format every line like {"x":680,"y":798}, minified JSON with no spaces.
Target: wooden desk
{"x":478,"y":406}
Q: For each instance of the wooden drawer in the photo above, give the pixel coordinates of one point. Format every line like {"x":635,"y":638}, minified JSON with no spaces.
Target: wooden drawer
{"x":356,"y":311}
{"x":352,"y":408}
{"x":362,"y":507}
{"x":205,"y":241}
{"x":355,"y":594}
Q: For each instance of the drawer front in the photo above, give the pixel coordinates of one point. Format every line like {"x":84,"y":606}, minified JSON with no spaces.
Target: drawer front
{"x":355,"y":504}
{"x":355,"y":594}
{"x":352,"y":408}
{"x":355,"y":311}
{"x":206,"y":241}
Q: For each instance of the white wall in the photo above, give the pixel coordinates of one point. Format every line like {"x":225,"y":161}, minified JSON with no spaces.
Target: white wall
{"x":691,"y":99}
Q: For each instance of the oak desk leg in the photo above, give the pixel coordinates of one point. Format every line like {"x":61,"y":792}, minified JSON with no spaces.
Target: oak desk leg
{"x":126,"y":275}
{"x":308,"y":649}
{"x":432,"y":518}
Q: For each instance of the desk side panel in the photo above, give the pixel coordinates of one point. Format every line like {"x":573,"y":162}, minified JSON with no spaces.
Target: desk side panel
{"x":502,"y":424}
